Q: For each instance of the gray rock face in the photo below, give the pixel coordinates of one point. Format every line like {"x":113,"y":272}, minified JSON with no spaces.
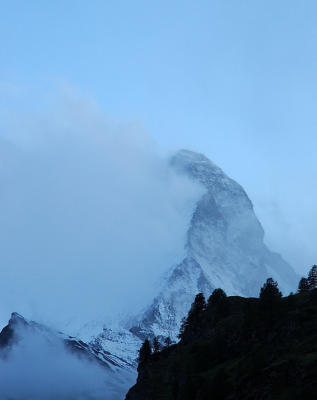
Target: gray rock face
{"x":224,"y":248}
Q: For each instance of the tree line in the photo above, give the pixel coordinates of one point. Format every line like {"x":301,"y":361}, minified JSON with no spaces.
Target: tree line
{"x":309,"y":283}
{"x":152,"y":347}
{"x":217,"y":307}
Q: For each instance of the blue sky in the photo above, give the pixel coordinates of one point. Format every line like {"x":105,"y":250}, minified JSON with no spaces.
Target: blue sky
{"x":235,"y":80}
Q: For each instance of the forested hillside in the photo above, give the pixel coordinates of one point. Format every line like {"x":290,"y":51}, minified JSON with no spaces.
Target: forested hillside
{"x":238,"y":348}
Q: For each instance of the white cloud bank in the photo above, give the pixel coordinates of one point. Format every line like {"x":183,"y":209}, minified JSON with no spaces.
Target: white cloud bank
{"x":39,"y":367}
{"x":90,"y":214}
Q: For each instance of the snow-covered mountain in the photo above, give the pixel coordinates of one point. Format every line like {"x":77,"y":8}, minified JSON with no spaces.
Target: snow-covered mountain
{"x":224,"y":248}
{"x":39,"y":363}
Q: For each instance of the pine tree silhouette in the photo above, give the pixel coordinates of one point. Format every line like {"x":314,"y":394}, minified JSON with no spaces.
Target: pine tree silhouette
{"x":168,"y":341}
{"x":270,"y":299}
{"x":191,"y":323}
{"x":270,"y":291}
{"x":303,"y":285}
{"x":156,"y":345}
{"x":217,"y":306}
{"x":312,"y":277}
{"x":145,"y":351}
{"x":217,"y":296}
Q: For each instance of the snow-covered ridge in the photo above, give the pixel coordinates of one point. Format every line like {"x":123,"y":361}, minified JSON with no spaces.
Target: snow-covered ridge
{"x":37,"y":362}
{"x":18,"y":326}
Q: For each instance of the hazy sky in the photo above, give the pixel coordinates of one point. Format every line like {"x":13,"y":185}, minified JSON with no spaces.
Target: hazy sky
{"x":235,"y":80}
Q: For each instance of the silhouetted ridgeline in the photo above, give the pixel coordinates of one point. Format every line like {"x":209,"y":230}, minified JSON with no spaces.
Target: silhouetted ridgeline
{"x":237,"y":348}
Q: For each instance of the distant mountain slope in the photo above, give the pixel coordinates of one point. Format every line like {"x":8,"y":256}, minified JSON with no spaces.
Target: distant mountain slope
{"x":30,"y":353}
{"x":224,"y":249}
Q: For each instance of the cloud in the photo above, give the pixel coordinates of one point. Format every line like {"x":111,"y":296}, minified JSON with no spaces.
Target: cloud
{"x":90,"y":213}
{"x":289,"y":223}
{"x":39,"y":367}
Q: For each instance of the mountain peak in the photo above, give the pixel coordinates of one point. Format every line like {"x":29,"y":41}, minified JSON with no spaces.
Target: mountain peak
{"x":16,"y":317}
{"x":224,"y":249}
{"x":200,"y":168}
{"x":187,"y":158}
{"x":191,"y":156}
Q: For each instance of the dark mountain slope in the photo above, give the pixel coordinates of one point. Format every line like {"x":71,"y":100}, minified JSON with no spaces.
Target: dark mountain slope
{"x":241,"y":349}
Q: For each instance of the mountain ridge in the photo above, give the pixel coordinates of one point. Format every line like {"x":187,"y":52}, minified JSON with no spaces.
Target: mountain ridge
{"x":26,"y":345}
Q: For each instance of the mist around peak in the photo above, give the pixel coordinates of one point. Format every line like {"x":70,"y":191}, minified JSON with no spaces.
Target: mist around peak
{"x":91,"y":214}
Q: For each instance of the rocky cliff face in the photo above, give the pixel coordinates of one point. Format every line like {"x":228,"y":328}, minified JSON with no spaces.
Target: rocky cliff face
{"x":224,"y":249}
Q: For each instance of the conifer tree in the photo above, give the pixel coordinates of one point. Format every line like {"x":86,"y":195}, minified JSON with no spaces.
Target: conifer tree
{"x":190,"y":323}
{"x":182,"y":328}
{"x":270,"y":297}
{"x":196,"y":309}
{"x":303,"y":285}
{"x":168,"y":341}
{"x":217,"y":296}
{"x":156,"y":345}
{"x":270,"y":291}
{"x":145,"y":351}
{"x":270,"y":302}
{"x":217,"y":306}
{"x":312,"y":277}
